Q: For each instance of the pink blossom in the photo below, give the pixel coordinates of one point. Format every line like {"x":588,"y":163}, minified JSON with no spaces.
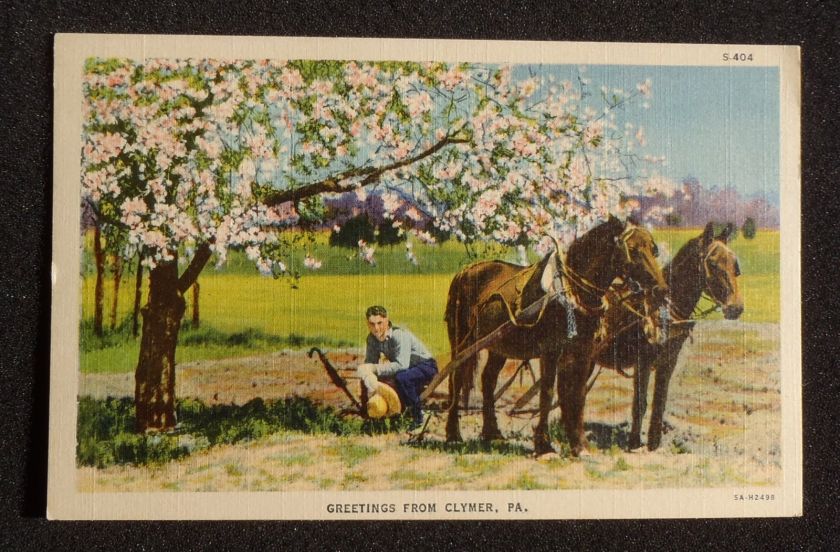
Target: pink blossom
{"x":425,"y":237}
{"x":401,"y":150}
{"x":645,"y":88}
{"x":111,"y":145}
{"x":528,"y":87}
{"x":450,"y":171}
{"x":366,"y":253}
{"x":311,"y":262}
{"x":640,"y":136}
{"x":419,"y":103}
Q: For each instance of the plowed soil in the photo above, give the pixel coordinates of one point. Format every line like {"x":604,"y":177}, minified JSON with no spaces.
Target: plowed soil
{"x":723,"y":414}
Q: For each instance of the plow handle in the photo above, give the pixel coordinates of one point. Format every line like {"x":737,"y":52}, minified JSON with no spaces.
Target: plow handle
{"x":337,"y":380}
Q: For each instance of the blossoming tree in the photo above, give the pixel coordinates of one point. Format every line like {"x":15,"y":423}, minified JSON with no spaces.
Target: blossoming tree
{"x":190,"y":158}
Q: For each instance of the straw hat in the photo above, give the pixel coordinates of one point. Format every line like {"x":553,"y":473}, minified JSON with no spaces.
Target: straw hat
{"x":384,"y":402}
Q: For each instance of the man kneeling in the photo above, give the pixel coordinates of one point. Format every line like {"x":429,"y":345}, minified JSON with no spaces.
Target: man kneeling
{"x":406,"y":359}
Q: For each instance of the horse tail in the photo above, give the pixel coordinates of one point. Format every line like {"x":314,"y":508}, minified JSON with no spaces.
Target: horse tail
{"x":458,"y":324}
{"x":452,"y":314}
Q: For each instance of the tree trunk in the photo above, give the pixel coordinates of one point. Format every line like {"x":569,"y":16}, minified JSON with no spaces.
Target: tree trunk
{"x":154,"y":391}
{"x":195,"y":317}
{"x":154,"y":379}
{"x":118,"y":268}
{"x":98,"y":291}
{"x":138,"y":295}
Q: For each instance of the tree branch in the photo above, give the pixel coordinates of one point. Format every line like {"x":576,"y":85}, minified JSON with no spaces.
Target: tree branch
{"x":101,"y":217}
{"x":371,"y":174}
{"x":190,"y":275}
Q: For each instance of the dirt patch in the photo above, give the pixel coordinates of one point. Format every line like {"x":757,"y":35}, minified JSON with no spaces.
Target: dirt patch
{"x":724,"y":415}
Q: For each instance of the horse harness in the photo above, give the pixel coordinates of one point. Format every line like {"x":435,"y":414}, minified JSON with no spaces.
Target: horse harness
{"x":676,"y":318}
{"x":565,"y":280}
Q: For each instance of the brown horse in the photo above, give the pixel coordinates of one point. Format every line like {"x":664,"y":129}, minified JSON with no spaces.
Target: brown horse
{"x":704,"y":264}
{"x":485,"y":295}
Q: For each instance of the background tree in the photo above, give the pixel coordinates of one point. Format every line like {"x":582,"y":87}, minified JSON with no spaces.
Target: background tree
{"x":349,"y":233}
{"x":99,"y":283}
{"x":673,"y":219}
{"x":138,"y":296}
{"x":749,"y":228}
{"x":191,"y":158}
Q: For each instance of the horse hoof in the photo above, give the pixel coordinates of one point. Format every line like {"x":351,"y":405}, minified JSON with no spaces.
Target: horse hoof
{"x":547,"y":456}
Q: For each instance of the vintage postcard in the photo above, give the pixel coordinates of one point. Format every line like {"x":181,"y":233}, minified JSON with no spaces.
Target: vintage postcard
{"x":312,"y":278}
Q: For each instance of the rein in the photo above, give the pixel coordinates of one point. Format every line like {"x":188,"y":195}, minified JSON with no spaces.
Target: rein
{"x":676,"y":318}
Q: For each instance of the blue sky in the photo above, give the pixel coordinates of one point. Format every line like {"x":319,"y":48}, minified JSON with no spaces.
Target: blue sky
{"x":718,"y":124}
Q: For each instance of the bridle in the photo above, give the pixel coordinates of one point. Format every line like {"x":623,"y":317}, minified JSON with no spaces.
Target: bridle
{"x":708,"y":277}
{"x":624,"y":239}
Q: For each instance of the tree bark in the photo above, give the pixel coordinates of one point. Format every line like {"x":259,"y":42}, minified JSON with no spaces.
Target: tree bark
{"x":154,"y":390}
{"x":138,"y":296}
{"x":98,"y":290}
{"x":118,"y":268}
{"x":195,"y":315}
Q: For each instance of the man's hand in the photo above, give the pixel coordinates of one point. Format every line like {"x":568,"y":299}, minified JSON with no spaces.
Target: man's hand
{"x":367,"y":372}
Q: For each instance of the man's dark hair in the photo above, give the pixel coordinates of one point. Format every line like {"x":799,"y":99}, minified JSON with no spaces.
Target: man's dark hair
{"x":376,"y":310}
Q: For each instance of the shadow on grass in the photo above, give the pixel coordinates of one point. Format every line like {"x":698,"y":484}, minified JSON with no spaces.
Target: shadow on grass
{"x":106,"y":435}
{"x":607,"y":436}
{"x":602,"y":436}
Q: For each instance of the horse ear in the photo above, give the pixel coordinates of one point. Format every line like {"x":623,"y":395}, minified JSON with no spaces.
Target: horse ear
{"x":726,"y":233}
{"x":709,"y":233}
{"x":549,"y":273}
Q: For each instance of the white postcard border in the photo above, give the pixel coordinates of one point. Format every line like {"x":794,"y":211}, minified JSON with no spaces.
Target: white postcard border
{"x":65,"y":502}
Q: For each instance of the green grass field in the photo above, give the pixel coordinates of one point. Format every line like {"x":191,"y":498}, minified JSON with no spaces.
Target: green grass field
{"x":327,"y":306}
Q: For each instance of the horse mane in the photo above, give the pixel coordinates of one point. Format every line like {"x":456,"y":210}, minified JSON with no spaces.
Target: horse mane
{"x":690,"y":250}
{"x":582,"y":249}
{"x":681,"y":273}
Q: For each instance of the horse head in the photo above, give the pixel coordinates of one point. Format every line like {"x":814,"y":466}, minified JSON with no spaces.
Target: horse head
{"x":720,"y":270}
{"x":614,"y":249}
{"x":635,"y":254}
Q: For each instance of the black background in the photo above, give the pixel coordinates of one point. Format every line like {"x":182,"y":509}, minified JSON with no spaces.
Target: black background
{"x":25,"y":208}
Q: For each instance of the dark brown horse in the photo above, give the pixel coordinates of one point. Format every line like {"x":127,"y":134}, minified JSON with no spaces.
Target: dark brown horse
{"x":703,"y":264}
{"x":485,"y":295}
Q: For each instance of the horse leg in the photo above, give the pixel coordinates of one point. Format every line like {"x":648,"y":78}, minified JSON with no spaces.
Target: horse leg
{"x":664,"y":369}
{"x":641,"y":378}
{"x":542,"y":441}
{"x":489,"y":379}
{"x":453,"y":426}
{"x":572,"y":390}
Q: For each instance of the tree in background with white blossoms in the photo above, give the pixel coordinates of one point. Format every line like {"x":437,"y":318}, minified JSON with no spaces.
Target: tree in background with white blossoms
{"x":208,"y":155}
